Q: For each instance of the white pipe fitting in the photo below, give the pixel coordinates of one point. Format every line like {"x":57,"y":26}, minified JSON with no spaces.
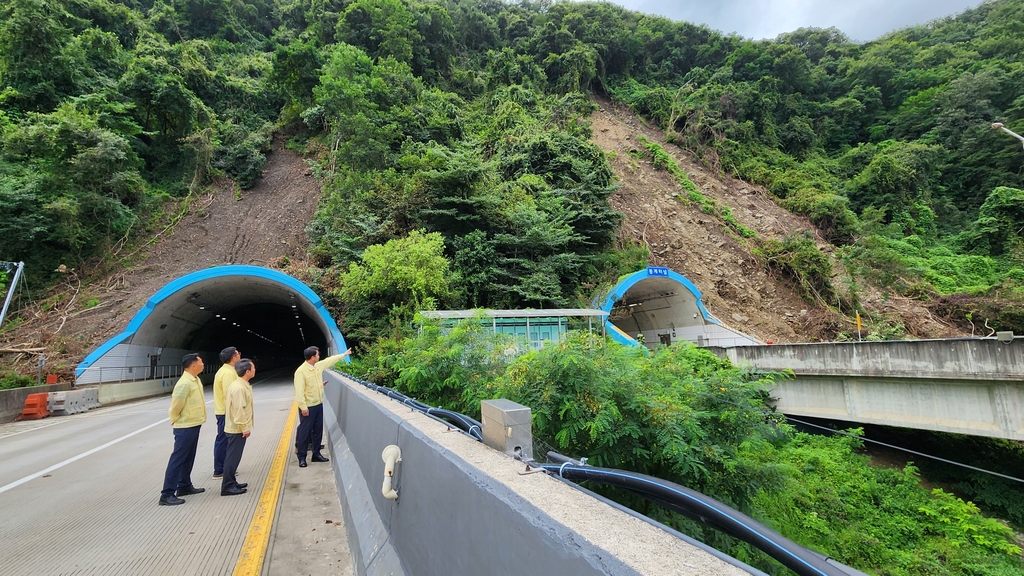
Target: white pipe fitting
{"x":391,"y":456}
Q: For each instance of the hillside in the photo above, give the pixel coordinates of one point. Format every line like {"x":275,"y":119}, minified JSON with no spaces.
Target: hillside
{"x":266,"y":225}
{"x":737,"y":288}
{"x":262,"y":226}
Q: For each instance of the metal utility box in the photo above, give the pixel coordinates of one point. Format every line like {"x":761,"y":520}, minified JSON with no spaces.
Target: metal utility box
{"x":507,"y":426}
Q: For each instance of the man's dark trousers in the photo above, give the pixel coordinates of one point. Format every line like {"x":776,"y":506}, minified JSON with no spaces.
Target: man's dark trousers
{"x":179,"y":467}
{"x":311,"y":430}
{"x":235,"y":446}
{"x":220,"y":446}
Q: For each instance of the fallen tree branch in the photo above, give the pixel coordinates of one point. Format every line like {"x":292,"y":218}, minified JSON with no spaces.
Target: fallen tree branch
{"x":21,"y":350}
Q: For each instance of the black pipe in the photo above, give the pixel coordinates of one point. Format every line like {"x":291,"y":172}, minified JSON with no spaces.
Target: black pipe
{"x":460,"y":421}
{"x":707,"y":510}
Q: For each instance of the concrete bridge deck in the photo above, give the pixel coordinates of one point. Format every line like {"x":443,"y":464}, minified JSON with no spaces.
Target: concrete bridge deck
{"x":79,"y":496}
{"x":966,"y":386}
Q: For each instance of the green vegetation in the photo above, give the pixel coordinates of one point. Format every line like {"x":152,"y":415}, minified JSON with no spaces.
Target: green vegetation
{"x":11,"y":380}
{"x":452,"y":140}
{"x":685,"y":415}
{"x":468,"y":118}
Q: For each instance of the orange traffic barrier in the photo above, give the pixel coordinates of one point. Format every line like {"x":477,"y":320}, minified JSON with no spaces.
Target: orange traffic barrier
{"x":35,"y":407}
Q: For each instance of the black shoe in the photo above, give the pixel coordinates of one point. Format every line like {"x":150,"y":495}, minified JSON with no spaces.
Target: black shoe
{"x":243,"y":485}
{"x":233,"y":491}
{"x":171,"y":500}
{"x":189,"y":490}
{"x":320,"y":458}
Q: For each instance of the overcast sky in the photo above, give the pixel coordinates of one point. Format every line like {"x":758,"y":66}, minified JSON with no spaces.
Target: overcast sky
{"x":861,"y":20}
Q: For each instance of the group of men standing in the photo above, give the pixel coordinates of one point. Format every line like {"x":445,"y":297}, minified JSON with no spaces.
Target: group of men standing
{"x":232,"y":408}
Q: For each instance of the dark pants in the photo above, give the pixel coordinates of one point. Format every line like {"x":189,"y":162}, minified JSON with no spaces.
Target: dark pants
{"x":311,"y":430}
{"x":235,"y":446}
{"x":179,"y":467}
{"x":220,"y":446}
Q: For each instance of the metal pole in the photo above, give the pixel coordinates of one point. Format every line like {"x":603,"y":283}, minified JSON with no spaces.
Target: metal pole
{"x":10,"y":291}
{"x":999,"y":126}
{"x":39,"y":376}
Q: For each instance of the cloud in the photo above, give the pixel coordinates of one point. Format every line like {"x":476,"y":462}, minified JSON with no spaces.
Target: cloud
{"x":860,"y":19}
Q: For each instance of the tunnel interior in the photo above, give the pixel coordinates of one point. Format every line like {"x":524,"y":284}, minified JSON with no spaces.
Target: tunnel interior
{"x":269,"y":316}
{"x":658,"y":308}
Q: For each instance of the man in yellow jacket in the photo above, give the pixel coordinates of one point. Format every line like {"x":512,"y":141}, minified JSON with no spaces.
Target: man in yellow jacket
{"x":225,"y":376}
{"x":188,"y":413}
{"x":237,"y":424}
{"x":309,"y":395}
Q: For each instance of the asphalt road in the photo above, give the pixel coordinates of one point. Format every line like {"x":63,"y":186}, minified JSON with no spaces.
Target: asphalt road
{"x":79,"y":493}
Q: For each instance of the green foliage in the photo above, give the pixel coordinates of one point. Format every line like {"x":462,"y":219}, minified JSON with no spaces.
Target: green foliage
{"x":799,"y":258}
{"x":11,"y":380}
{"x":688,"y":416}
{"x":997,"y":230}
{"x":878,"y":519}
{"x":451,"y":366}
{"x":414,"y":267}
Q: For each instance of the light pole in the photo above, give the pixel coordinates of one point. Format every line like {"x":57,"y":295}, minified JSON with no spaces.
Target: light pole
{"x":999,"y":126}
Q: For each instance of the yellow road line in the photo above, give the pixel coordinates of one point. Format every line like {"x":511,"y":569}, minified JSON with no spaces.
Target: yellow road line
{"x":254,"y":549}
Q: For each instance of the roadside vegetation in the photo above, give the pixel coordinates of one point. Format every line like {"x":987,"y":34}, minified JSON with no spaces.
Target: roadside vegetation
{"x":686,"y":415}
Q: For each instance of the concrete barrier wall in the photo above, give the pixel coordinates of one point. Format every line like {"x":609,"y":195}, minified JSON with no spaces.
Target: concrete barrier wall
{"x":974,"y":358}
{"x":124,"y":391}
{"x":970,"y":386}
{"x":13,"y":401}
{"x":464,"y":508}
{"x":980,"y":408}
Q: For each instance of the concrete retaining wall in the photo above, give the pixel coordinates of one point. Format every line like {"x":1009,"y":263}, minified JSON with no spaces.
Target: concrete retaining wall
{"x":13,"y":401}
{"x":464,"y":508}
{"x":124,"y":391}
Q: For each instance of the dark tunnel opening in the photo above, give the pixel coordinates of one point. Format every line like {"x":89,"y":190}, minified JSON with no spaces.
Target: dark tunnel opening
{"x":273,"y":335}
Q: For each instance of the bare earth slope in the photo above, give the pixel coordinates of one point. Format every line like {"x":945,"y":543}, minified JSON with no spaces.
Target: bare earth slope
{"x":737,"y":289}
{"x":257,"y":226}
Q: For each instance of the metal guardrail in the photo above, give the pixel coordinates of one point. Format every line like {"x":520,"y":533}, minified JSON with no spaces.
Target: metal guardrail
{"x":112,"y":374}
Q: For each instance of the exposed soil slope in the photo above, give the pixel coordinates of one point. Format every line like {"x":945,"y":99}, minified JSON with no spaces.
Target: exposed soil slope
{"x":737,"y":289}
{"x":257,"y":226}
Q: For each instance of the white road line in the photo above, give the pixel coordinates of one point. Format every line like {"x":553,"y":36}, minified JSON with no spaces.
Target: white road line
{"x":17,"y":483}
{"x":33,"y":429}
{"x":30,"y":477}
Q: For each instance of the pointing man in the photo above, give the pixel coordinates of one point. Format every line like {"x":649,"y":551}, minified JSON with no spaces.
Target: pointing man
{"x":188,"y":413}
{"x":309,"y":395}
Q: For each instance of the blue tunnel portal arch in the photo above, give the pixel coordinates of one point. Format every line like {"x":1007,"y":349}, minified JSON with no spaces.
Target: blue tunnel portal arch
{"x":658,"y":306}
{"x":269,"y":315}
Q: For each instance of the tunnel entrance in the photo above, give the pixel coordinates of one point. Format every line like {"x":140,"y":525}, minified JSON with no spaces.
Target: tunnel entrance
{"x":268,"y":315}
{"x":658,"y":306}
